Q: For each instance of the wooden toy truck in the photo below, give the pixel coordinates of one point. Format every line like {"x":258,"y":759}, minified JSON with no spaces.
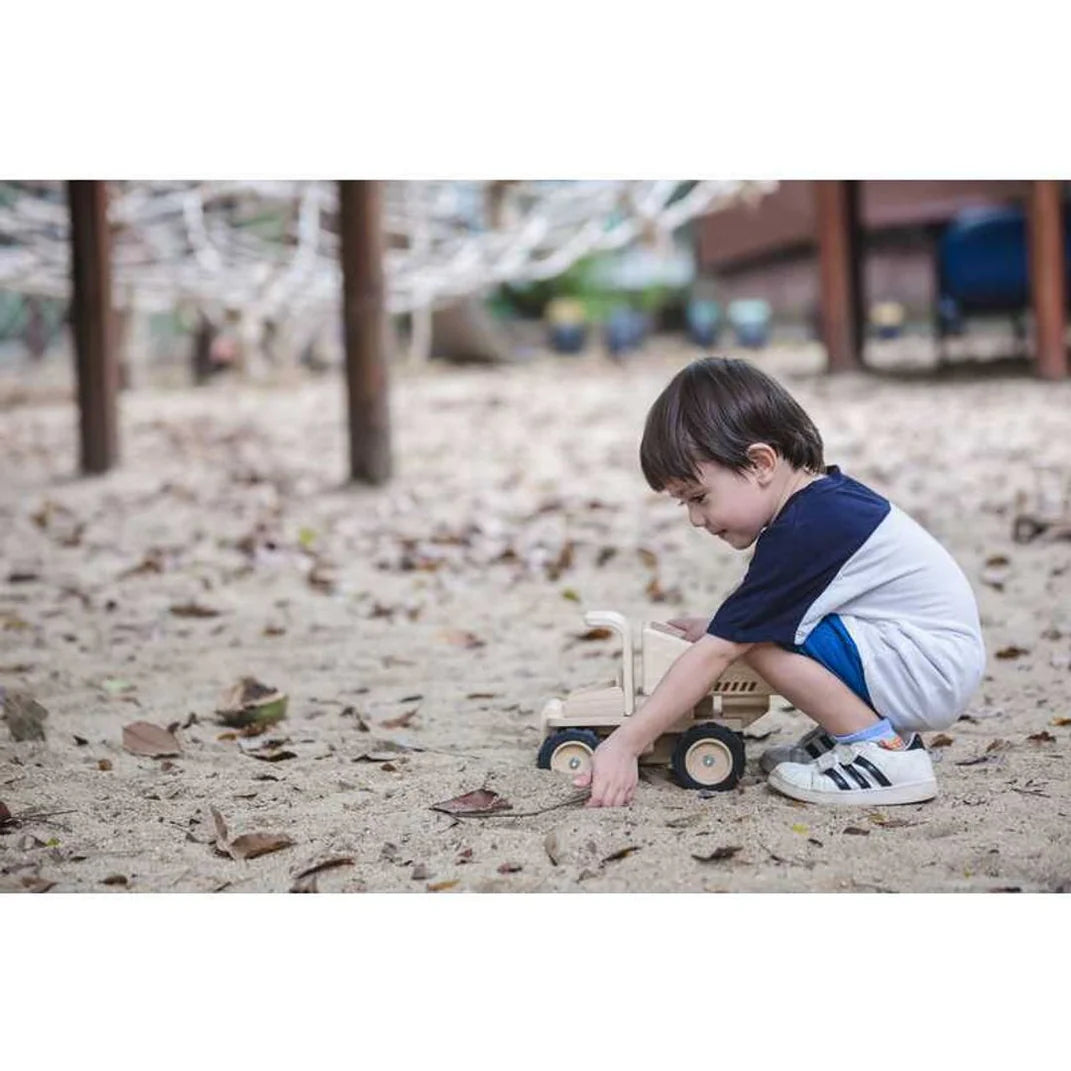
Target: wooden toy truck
{"x":705,"y":748}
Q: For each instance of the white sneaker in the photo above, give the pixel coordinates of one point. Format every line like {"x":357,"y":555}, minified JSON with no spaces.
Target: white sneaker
{"x":808,"y":748}
{"x":871,"y":772}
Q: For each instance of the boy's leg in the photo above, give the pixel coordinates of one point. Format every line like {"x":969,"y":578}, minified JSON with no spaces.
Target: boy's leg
{"x":812,"y":688}
{"x":874,"y":765}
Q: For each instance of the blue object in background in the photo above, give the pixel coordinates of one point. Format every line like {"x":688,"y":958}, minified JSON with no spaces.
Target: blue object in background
{"x":624,"y":330}
{"x":704,"y":321}
{"x":567,"y":329}
{"x":982,"y":262}
{"x":750,"y":321}
{"x":568,"y":338}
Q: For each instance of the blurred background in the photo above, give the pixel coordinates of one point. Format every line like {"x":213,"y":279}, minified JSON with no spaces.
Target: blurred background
{"x":210,"y":281}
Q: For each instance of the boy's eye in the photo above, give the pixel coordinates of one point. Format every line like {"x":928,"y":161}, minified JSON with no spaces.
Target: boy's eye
{"x":698,"y":500}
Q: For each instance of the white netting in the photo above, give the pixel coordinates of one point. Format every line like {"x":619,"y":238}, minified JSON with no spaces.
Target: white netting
{"x":270,"y":249}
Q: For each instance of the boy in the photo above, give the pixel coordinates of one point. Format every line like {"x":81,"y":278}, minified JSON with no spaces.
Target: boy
{"x":849,"y":609}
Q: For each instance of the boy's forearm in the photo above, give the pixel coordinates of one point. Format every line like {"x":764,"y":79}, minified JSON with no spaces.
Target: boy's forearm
{"x":689,"y":679}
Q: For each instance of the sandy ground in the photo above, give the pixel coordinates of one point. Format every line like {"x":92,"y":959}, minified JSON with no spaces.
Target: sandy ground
{"x":452,"y":600}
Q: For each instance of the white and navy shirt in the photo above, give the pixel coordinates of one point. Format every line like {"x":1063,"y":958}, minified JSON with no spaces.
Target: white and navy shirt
{"x":837,"y":547}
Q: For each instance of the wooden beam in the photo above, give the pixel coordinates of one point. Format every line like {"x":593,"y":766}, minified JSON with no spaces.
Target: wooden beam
{"x":840,"y":272}
{"x":1048,"y":283}
{"x":91,"y":320}
{"x":365,"y":329}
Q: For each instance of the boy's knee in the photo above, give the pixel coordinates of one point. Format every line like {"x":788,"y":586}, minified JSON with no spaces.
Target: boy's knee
{"x":762,"y":652}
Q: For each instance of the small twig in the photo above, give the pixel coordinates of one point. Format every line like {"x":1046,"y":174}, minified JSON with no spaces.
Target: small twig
{"x":578,"y":798}
{"x":28,"y":815}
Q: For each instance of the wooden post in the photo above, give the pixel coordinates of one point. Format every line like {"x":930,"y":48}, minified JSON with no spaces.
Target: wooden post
{"x":365,"y":329}
{"x":840,"y":272}
{"x":1048,"y":283}
{"x":91,"y":320}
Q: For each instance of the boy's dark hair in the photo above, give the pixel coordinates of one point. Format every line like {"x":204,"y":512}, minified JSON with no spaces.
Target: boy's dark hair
{"x":713,"y":410}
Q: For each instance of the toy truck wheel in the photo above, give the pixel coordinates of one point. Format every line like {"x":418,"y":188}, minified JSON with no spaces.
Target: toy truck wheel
{"x":709,"y":756}
{"x":568,"y":751}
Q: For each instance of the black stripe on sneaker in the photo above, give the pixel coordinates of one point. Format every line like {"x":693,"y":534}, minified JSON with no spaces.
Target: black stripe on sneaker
{"x":813,"y":750}
{"x":859,"y":779}
{"x":827,"y":741}
{"x":873,"y":771}
{"x":838,"y":780}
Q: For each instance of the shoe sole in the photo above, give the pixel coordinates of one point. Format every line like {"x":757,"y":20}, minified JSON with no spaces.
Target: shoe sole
{"x":913,"y":792}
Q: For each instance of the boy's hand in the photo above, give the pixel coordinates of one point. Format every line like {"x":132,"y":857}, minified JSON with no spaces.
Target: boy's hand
{"x":613,"y":775}
{"x":694,"y":628}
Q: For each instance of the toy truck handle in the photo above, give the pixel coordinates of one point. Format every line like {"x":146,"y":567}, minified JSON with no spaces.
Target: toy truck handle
{"x":619,"y":623}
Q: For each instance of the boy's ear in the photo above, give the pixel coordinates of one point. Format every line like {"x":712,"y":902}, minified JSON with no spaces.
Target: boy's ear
{"x":763,"y":458}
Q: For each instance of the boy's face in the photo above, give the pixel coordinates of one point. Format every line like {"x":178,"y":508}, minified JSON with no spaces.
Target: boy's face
{"x":733,"y":506}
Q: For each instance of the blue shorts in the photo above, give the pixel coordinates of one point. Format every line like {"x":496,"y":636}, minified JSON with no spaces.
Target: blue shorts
{"x":831,"y":645}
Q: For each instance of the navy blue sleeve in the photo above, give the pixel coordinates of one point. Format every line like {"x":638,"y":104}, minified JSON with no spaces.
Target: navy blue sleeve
{"x":795,"y":560}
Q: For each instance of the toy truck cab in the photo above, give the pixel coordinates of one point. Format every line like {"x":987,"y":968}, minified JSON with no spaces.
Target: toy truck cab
{"x":704,"y":748}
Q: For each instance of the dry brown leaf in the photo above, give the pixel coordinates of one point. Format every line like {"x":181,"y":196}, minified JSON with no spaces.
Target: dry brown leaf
{"x":401,"y":721}
{"x":193,"y":609}
{"x":1060,"y":721}
{"x":941,"y":740}
{"x":25,"y":717}
{"x":648,"y":557}
{"x":439,"y":886}
{"x":482,"y":695}
{"x":104,"y":764}
{"x":482,"y":801}
{"x":597,"y":634}
{"x":144,"y":738}
{"x":271,"y":754}
{"x":248,"y":845}
{"x":564,"y":561}
{"x":509,"y":868}
{"x":1012,"y":651}
{"x":996,"y":571}
{"x":36,"y":884}
{"x":605,"y":554}
{"x":115,"y":879}
{"x":1044,"y":737}
{"x":5,"y":815}
{"x":856,"y":831}
{"x":621,"y":853}
{"x":461,"y":638}
{"x":552,"y":846}
{"x":351,"y":712}
{"x":682,"y":822}
{"x":726,"y":852}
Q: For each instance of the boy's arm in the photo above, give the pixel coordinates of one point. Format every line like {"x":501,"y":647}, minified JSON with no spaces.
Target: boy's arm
{"x":614,"y":769}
